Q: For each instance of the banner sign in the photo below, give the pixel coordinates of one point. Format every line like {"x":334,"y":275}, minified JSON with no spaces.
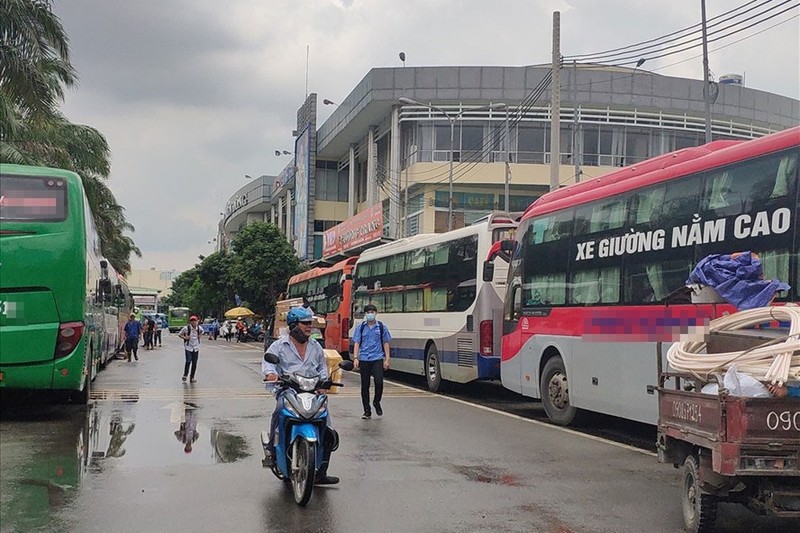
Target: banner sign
{"x":366,"y":226}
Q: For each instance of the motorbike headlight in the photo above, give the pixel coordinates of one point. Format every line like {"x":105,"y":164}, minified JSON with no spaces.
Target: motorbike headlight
{"x":306,"y":384}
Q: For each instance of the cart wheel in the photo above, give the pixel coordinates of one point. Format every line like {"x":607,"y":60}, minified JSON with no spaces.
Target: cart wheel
{"x":699,"y":510}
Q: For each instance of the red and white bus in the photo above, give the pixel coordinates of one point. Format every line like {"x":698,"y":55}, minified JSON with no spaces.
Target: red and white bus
{"x":595,"y":268}
{"x":329,"y":291}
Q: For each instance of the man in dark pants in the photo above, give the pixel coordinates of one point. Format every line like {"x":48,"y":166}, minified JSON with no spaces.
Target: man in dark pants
{"x":371,"y":357}
{"x":133,"y":329}
{"x":191,"y":335}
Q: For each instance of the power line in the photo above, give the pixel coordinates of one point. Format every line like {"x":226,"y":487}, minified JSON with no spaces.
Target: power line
{"x":693,"y":27}
{"x":639,"y":51}
{"x":634,"y":59}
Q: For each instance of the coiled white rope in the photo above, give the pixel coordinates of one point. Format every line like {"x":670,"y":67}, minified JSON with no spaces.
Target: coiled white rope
{"x":773,"y":362}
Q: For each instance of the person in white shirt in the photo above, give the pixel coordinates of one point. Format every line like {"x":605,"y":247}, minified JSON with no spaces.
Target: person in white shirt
{"x":191,"y":334}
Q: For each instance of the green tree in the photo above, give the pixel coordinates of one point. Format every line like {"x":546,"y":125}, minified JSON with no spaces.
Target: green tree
{"x":213,"y":293}
{"x":181,"y":288}
{"x":34,"y":71}
{"x":263,"y":262}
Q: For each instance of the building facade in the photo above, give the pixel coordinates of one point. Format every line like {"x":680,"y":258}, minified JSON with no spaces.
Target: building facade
{"x":491,"y":125}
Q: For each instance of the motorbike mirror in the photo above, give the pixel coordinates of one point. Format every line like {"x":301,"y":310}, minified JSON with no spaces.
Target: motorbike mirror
{"x":346,"y":365}
{"x":271,"y":358}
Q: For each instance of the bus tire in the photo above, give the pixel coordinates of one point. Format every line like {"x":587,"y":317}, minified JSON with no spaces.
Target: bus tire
{"x":699,"y":509}
{"x":555,"y":393}
{"x":433,"y":370}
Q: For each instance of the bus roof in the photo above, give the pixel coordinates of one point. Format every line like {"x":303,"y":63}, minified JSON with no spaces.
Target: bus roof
{"x":661,"y":168}
{"x":425,"y":239}
{"x":321,"y":271}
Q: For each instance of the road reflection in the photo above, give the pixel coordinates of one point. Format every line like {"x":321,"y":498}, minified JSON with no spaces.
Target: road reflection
{"x":45,"y":452}
{"x":187,"y":433}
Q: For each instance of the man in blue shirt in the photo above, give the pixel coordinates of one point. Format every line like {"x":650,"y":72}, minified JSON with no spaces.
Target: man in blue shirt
{"x":133,"y":329}
{"x":298,"y":354}
{"x":371,"y":357}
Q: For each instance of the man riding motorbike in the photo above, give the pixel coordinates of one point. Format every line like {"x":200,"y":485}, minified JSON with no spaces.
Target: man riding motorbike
{"x":300,"y":354}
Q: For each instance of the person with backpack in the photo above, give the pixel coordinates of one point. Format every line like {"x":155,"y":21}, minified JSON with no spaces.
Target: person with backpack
{"x":371,"y":357}
{"x":191,"y":334}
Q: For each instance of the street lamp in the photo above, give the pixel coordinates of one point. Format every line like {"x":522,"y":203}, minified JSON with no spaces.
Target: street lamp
{"x":279,"y":153}
{"x":452,"y":119}
{"x":329,"y":102}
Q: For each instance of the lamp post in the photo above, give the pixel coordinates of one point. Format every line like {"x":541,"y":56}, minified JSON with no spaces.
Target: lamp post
{"x":452,"y":119}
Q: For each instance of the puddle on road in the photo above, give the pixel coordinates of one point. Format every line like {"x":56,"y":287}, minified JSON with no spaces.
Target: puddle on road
{"x":174,"y":434}
{"x":486,"y":474}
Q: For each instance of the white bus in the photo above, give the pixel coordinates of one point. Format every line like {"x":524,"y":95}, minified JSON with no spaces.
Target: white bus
{"x":430,"y":292}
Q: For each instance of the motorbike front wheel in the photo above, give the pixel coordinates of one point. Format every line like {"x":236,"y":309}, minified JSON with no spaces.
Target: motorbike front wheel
{"x":303,"y":469}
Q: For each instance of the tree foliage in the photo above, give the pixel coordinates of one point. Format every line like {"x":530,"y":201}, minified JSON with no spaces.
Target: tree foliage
{"x":262,"y":265}
{"x":34,"y":71}
{"x":257,"y":270}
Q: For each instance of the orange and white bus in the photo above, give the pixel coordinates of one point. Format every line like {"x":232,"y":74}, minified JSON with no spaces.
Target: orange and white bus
{"x":328,"y":290}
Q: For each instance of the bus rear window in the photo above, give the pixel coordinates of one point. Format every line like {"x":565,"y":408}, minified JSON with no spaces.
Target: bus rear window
{"x":33,"y":198}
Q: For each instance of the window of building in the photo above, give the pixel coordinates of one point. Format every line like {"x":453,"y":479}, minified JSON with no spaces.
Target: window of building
{"x":530,"y":143}
{"x":472,"y":142}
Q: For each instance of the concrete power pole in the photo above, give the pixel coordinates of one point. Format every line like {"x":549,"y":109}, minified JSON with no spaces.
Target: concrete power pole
{"x":706,"y":74}
{"x":555,"y":105}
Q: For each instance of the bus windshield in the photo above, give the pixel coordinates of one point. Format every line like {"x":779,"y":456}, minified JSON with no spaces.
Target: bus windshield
{"x":33,"y":198}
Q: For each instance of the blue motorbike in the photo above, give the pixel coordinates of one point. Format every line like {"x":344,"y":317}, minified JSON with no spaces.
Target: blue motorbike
{"x":302,"y":433}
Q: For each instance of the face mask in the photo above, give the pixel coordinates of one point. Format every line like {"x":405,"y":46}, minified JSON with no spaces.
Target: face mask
{"x":370,"y":317}
{"x":299,"y":336}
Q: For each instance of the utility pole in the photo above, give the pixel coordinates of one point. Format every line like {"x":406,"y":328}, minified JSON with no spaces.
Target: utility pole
{"x":706,"y":74}
{"x":555,"y":105}
{"x":576,"y":153}
{"x":508,"y":162}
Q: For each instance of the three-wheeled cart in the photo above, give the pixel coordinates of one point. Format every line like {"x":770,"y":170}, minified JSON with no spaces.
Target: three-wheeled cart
{"x":729,"y":449}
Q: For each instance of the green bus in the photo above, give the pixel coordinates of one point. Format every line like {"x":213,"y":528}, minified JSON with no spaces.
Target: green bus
{"x":178,"y":317}
{"x":54,"y":284}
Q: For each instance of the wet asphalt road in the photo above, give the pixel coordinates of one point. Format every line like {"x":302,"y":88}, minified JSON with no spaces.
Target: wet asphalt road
{"x":430,"y":464}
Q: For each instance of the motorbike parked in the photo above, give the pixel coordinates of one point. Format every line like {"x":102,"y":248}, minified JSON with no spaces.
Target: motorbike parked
{"x":302,"y":431}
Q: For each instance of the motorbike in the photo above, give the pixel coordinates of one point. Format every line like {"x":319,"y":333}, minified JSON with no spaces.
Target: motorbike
{"x":302,"y":432}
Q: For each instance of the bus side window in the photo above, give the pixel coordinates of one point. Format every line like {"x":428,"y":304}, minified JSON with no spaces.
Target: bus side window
{"x":514,"y":303}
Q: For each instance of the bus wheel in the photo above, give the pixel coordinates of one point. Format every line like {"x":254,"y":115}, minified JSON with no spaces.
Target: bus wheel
{"x":433,"y":373}
{"x":699,"y":509}
{"x":555,"y":392}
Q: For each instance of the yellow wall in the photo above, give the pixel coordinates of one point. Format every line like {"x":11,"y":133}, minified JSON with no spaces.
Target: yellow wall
{"x":324,"y":210}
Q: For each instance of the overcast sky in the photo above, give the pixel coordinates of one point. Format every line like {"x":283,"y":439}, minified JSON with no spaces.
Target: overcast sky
{"x":194,"y":94}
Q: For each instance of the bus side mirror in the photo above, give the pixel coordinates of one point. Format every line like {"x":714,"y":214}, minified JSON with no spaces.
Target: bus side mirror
{"x":507,"y":246}
{"x":105,"y":290}
{"x":488,"y":271}
{"x":348,"y":276}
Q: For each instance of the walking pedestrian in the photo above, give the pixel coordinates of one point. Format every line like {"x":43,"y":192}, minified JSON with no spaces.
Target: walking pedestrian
{"x":133,"y":329}
{"x":371,"y":357}
{"x":149,"y":333}
{"x":159,"y":326}
{"x":191,"y":334}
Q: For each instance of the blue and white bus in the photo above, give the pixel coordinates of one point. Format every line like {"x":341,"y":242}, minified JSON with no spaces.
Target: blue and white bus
{"x":444,"y":319}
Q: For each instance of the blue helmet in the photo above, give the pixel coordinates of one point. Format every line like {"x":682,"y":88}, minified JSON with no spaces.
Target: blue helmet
{"x":296,"y":314}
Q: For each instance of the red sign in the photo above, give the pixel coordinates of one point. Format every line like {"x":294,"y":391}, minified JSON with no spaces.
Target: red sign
{"x":367,"y":226}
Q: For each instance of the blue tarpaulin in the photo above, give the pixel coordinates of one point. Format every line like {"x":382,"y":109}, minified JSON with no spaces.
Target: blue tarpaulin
{"x":737,"y":279}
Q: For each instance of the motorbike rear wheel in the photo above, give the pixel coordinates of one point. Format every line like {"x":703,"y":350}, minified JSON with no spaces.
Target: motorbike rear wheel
{"x":303,"y":470}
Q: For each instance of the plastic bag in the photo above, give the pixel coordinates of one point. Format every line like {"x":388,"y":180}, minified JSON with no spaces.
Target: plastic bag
{"x":739,"y":384}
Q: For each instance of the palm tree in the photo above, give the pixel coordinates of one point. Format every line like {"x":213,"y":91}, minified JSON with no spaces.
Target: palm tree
{"x":34,"y":70}
{"x":34,"y":57}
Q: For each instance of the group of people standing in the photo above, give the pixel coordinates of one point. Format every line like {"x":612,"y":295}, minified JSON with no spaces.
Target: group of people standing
{"x":148,"y":328}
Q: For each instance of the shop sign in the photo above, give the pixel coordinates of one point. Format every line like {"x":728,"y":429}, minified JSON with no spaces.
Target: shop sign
{"x":365,"y":227}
